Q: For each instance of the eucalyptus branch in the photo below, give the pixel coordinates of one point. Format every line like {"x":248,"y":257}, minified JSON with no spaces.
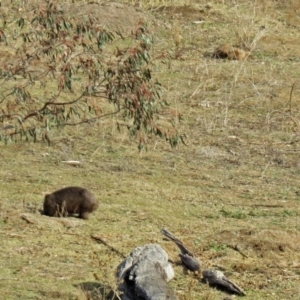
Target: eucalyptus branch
{"x":58,"y":57}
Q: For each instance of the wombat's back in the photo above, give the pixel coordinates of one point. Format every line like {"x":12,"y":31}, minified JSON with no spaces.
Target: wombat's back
{"x":74,"y":192}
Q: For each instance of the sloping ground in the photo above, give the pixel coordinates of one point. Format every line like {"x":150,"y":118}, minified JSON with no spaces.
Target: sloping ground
{"x":231,"y":194}
{"x":113,"y":15}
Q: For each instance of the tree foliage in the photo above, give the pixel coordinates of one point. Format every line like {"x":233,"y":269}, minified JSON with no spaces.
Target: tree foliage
{"x":63,"y":69}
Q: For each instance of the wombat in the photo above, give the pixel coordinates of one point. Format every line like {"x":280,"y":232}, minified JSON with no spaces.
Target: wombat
{"x":70,"y":200}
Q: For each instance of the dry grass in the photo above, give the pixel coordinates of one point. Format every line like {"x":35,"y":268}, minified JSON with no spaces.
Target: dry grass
{"x":235,"y":184}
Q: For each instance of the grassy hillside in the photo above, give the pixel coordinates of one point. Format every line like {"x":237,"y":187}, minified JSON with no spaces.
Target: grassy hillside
{"x":234,"y":186}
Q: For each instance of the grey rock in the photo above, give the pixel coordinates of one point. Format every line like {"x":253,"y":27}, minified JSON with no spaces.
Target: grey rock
{"x":145,"y":273}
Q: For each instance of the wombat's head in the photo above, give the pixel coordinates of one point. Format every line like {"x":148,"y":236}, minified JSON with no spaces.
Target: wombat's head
{"x":49,"y":205}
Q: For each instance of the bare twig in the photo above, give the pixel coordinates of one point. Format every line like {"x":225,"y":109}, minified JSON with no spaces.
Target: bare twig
{"x":258,"y":205}
{"x":236,"y":248}
{"x":99,"y":239}
{"x":290,"y":102}
{"x":72,"y":162}
{"x":265,"y":169}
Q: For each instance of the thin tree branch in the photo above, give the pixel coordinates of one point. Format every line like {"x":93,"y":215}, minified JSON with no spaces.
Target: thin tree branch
{"x":93,"y":119}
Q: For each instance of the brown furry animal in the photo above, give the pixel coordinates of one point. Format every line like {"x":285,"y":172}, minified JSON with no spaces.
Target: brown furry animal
{"x":70,"y":200}
{"x":232,"y":53}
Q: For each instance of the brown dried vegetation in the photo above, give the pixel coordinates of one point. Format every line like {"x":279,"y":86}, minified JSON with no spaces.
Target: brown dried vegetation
{"x":230,"y":52}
